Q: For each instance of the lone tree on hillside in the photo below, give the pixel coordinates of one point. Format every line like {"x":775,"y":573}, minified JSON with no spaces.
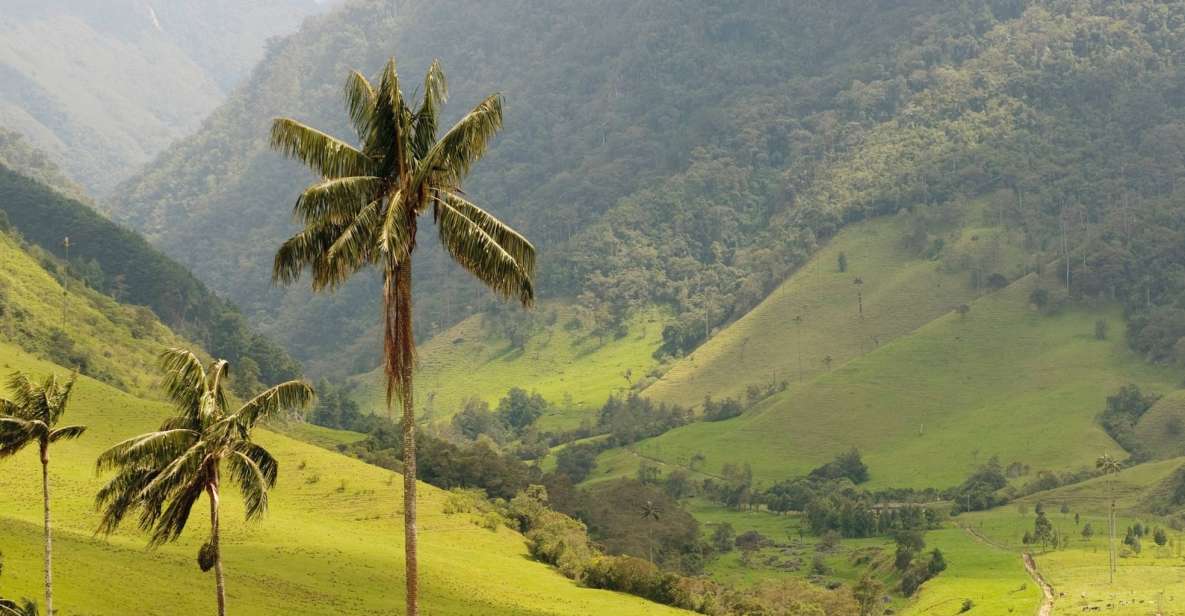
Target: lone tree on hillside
{"x":162,"y":474}
{"x":365,"y":210}
{"x":32,"y":416}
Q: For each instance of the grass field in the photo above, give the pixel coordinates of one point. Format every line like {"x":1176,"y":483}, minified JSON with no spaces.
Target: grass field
{"x":927,"y":408}
{"x":900,"y":292}
{"x":985,"y":554}
{"x":559,"y":363}
{"x":331,"y":542}
{"x":1162,"y":428}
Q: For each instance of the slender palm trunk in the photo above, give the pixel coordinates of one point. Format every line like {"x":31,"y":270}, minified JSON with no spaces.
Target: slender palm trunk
{"x":48,"y":532}
{"x":410,"y":539}
{"x":400,"y":350}
{"x":215,"y":541}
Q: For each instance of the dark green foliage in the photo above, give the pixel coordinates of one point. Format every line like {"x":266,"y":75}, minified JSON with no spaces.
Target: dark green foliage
{"x":336,"y":409}
{"x":476,"y":419}
{"x":120,"y":263}
{"x":980,"y":490}
{"x":1087,"y":531}
{"x":724,"y":409}
{"x":790,"y":495}
{"x":1043,"y":532}
{"x":444,"y":464}
{"x":519,"y":409}
{"x":1123,"y":412}
{"x":842,"y":262}
{"x":1160,"y":537}
{"x":724,"y":538}
{"x":751,"y":540}
{"x":633,"y":418}
{"x":576,"y":461}
{"x":847,"y":465}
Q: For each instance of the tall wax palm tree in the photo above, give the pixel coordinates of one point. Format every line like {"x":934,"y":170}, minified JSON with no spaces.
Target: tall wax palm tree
{"x":31,"y":416}
{"x":364,"y":212}
{"x":162,"y":474}
{"x":1109,"y":466}
{"x":650,"y":512}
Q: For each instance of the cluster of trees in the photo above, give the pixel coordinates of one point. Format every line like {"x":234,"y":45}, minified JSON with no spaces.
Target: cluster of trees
{"x":1124,"y":410}
{"x":567,"y":543}
{"x":914,"y":566}
{"x":160,"y":476}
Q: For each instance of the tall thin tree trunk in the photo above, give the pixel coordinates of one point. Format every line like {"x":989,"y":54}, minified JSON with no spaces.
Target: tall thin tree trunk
{"x":216,"y":542}
{"x":399,"y":345}
{"x":48,"y":532}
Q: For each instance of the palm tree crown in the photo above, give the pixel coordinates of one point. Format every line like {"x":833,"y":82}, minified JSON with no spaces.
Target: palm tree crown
{"x":32,"y":414}
{"x":162,"y":474}
{"x":364,"y":211}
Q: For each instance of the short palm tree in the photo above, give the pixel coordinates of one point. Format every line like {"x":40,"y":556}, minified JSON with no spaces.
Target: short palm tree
{"x":31,"y":416}
{"x":162,"y":474}
{"x":364,"y":212}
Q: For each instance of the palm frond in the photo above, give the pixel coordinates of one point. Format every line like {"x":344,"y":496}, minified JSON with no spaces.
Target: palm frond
{"x":337,"y":201}
{"x":15,"y":435}
{"x":360,"y":99}
{"x":354,"y":248}
{"x":184,"y":381}
{"x":120,"y":496}
{"x":449,"y":160}
{"x":67,"y":433}
{"x":326,"y":155}
{"x":253,"y":484}
{"x":388,"y":136}
{"x":153,"y":448}
{"x":427,"y":116}
{"x":303,"y":250}
{"x":480,"y":254}
{"x":395,"y":241}
{"x":510,"y":240}
{"x":285,"y":396}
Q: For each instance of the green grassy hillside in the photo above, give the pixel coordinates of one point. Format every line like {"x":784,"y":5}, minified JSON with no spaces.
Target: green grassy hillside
{"x":926,"y":409}
{"x":900,"y":290}
{"x":109,"y":341}
{"x":332,"y":539}
{"x":560,"y":361}
{"x":1162,"y":428}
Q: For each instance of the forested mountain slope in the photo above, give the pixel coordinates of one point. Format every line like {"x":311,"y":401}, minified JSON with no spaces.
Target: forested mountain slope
{"x":104,"y":86}
{"x":690,"y":107}
{"x":116,"y":261}
{"x":692,"y":154}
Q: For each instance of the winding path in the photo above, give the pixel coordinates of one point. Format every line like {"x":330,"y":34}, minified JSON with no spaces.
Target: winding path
{"x":1046,"y":590}
{"x":1047,"y":595}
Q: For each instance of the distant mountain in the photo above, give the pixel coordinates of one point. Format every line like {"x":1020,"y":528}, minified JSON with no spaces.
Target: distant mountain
{"x":104,"y":86}
{"x":693,"y":154}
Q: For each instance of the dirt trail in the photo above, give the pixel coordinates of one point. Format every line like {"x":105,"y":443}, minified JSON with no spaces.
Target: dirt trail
{"x":1046,"y":608}
{"x":1046,"y":590}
